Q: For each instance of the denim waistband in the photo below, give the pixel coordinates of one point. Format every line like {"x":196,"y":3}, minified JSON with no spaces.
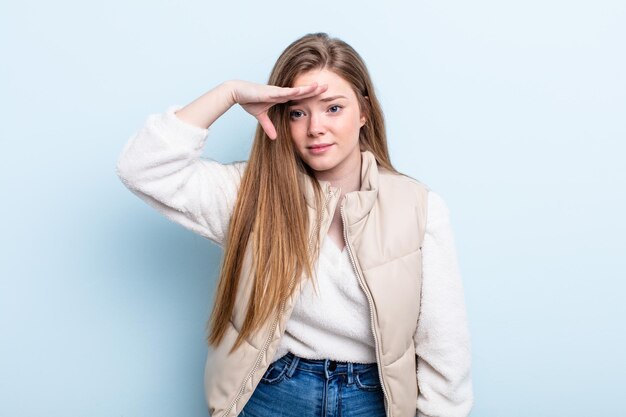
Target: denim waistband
{"x":326,"y":367}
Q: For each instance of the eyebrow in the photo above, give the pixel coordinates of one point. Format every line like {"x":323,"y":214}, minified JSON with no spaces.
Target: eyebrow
{"x":331,"y":98}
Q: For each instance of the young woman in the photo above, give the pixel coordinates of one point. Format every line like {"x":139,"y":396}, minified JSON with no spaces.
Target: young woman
{"x":339,"y":292}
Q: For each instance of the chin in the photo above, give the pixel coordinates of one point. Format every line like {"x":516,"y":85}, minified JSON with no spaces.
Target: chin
{"x":320,"y":166}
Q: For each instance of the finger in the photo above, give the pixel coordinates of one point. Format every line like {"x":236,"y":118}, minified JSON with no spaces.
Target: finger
{"x":306,"y":89}
{"x":318,"y":90}
{"x":267,"y":125}
{"x":304,"y":94}
{"x":284,"y":92}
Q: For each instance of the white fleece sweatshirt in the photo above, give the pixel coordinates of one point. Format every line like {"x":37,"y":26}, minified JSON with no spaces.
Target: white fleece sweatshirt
{"x":336,"y":323}
{"x":162,"y":164}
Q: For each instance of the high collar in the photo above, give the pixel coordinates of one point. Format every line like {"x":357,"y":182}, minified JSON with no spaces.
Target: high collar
{"x":357,"y":203}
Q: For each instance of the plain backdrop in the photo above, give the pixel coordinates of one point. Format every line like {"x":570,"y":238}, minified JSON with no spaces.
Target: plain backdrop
{"x":515,"y":112}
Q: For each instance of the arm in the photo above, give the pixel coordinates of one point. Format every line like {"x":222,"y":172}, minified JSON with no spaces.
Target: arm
{"x":442,"y":339}
{"x":162,"y":163}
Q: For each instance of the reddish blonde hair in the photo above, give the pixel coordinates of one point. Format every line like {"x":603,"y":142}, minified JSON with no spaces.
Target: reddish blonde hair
{"x":270,"y":199}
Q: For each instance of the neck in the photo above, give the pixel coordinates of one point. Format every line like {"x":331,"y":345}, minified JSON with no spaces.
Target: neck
{"x":349,"y":180}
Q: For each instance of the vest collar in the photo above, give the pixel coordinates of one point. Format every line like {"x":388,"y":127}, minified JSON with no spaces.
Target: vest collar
{"x":358,"y":203}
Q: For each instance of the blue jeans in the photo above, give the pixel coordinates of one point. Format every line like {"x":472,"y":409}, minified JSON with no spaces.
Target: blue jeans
{"x":298,"y":387}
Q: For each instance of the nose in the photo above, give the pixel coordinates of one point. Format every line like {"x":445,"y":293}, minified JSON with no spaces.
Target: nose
{"x":315,"y":125}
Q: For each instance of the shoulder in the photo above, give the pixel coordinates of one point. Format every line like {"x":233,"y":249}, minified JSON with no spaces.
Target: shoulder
{"x":397,"y":181}
{"x":239,"y":167}
{"x":438,"y":221}
{"x":405,"y":183}
{"x":436,"y":203}
{"x":404,"y":189}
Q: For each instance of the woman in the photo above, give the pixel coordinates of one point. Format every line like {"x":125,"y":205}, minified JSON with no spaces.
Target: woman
{"x":339,"y":292}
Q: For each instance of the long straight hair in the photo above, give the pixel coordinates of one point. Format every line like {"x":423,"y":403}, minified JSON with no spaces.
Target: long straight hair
{"x":271,"y":211}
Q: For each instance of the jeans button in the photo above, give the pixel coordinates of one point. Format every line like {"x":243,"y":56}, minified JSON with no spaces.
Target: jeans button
{"x":332,"y":365}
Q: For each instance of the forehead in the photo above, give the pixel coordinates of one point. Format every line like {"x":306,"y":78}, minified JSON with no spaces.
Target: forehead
{"x":336,"y":84}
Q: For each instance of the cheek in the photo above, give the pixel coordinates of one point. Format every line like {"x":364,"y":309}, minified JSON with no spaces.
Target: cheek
{"x":350,"y":127}
{"x":297,"y":137}
{"x":296,"y":130}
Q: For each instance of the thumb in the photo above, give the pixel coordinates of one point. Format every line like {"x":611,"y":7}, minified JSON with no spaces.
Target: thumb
{"x":267,"y":125}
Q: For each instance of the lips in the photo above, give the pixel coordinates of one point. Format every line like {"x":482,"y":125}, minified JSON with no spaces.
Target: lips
{"x":319,"y":148}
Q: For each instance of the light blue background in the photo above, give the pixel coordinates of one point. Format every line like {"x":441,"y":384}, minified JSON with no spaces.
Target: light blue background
{"x":515,"y":112}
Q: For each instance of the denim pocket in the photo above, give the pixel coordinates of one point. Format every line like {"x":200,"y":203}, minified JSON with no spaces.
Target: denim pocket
{"x":368,"y":380}
{"x":276,"y":372}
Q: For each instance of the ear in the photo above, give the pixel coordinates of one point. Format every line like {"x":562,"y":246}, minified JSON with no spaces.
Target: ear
{"x":363,"y":118}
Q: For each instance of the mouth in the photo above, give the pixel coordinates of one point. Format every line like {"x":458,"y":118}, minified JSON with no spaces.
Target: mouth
{"x":320,"y":148}
{"x":319,"y":145}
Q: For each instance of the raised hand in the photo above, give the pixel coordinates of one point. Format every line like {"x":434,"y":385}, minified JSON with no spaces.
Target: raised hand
{"x":256,"y":99}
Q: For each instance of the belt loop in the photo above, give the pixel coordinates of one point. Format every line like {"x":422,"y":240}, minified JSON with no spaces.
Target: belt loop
{"x":326,"y":362}
{"x":350,"y":370}
{"x":292,"y":366}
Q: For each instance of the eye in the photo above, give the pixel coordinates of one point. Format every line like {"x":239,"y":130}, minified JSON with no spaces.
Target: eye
{"x":295,"y":114}
{"x":335,"y":106}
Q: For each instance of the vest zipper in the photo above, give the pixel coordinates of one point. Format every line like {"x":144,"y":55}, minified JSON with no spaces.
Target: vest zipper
{"x":371,"y":302}
{"x":280,"y":313}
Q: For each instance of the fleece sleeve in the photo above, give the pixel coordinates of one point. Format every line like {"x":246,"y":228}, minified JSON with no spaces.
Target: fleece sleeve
{"x":162,"y":165}
{"x":442,"y":339}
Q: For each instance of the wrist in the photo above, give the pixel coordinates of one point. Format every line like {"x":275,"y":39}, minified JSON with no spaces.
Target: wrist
{"x":229,"y":88}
